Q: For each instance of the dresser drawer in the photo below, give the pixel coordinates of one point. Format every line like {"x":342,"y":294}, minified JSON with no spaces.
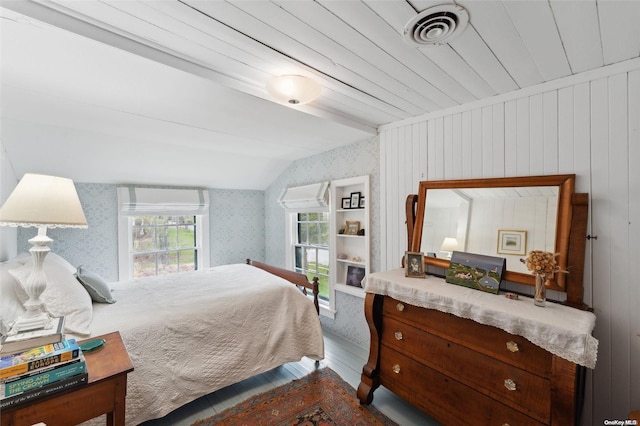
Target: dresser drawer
{"x":496,"y":343}
{"x":511,"y":385}
{"x":436,"y":393}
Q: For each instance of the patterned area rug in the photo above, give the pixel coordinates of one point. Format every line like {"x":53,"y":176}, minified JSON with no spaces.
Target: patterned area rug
{"x":321,"y":398}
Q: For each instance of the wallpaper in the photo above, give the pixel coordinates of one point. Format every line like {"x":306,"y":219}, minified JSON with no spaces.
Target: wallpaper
{"x":236,"y":226}
{"x":95,"y":248}
{"x":358,"y":159}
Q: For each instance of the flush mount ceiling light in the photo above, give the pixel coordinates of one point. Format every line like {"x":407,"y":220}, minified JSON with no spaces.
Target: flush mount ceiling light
{"x":436,"y":25}
{"x":293,"y":89}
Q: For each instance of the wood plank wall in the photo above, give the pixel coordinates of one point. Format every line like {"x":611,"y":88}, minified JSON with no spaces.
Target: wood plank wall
{"x":587,"y":125}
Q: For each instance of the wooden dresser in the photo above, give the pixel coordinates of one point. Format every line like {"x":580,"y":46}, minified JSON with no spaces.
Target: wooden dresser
{"x":461,"y":371}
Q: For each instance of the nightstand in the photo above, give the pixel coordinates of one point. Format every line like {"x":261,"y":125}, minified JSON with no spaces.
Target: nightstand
{"x":104,"y":394}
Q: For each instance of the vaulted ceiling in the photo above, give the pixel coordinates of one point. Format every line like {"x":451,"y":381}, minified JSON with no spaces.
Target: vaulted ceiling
{"x":179,"y":86}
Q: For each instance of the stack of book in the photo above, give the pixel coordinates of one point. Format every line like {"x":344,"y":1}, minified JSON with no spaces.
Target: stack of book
{"x":38,"y":369}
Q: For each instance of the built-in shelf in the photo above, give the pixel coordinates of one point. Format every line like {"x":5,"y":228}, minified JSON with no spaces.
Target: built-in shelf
{"x":349,"y":289}
{"x":347,"y":244}
{"x":352,"y":262}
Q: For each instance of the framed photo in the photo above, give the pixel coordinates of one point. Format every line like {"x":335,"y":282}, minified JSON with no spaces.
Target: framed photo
{"x":352,"y":227}
{"x":346,"y":203}
{"x":512,"y":242}
{"x":361,"y":202}
{"x":355,"y":200}
{"x":414,"y":264}
{"x":355,"y":275}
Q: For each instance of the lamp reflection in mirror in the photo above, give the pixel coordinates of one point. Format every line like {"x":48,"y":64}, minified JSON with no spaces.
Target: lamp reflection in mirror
{"x":293,"y":89}
{"x":449,"y":245}
{"x":43,"y":202}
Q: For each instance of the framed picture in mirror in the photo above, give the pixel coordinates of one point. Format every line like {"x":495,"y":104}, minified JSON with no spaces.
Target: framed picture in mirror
{"x":512,"y":242}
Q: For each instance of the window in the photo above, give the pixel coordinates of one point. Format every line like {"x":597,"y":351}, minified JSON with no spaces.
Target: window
{"x":311,"y":248}
{"x":162,"y":231}
{"x":307,"y":236}
{"x":163,"y":245}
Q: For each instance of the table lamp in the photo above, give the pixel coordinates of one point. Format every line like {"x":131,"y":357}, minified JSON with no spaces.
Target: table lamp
{"x":449,"y":245}
{"x":43,"y":202}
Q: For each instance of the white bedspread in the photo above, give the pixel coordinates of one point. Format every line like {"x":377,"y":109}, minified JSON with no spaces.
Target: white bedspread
{"x":192,"y":333}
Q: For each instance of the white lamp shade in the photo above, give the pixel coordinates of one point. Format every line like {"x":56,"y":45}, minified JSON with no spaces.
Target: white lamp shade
{"x":449,"y":244}
{"x":40,"y":200}
{"x":293,"y":89}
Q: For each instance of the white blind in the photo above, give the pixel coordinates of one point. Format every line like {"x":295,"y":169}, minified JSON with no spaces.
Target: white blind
{"x":305,"y":197}
{"x":138,"y":201}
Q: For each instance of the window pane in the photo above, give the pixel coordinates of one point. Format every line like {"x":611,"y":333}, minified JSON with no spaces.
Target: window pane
{"x":168,"y":244}
{"x":143,"y":239}
{"x":186,"y":236}
{"x":144,"y":265}
{"x":167,"y":263}
{"x":187,"y":260}
{"x":324,"y":233}
{"x":303,"y":233}
{"x":187,"y":220}
{"x":162,"y":238}
{"x":298,"y":259}
{"x":172,"y":237}
{"x":313,"y":233}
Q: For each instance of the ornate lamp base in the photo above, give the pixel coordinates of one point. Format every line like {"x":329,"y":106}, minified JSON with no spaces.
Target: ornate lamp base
{"x":35,"y":317}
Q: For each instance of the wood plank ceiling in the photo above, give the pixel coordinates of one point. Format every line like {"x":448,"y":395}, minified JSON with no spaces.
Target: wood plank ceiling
{"x":355,"y":48}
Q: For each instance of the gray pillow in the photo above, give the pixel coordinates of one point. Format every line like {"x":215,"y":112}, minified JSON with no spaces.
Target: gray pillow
{"x":97,"y":288}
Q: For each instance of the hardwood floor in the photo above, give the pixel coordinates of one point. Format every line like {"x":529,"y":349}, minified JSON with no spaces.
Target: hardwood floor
{"x":342,"y":356}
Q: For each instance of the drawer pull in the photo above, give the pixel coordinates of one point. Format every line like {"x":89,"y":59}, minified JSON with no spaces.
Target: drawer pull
{"x":400,"y":307}
{"x":398,"y":335}
{"x":396,"y":369}
{"x":510,"y":384}
{"x":506,"y":424}
{"x":512,"y":346}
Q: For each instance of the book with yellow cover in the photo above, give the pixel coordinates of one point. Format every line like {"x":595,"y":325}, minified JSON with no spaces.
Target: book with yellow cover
{"x":38,"y":357}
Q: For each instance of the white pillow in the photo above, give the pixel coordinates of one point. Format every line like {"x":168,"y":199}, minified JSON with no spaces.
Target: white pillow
{"x":11,"y":306}
{"x":64,"y":295}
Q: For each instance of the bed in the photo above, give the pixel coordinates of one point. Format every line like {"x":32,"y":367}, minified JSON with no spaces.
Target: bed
{"x":191,"y":333}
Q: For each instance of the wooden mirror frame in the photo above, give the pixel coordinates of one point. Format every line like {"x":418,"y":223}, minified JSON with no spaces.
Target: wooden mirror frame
{"x":566,"y":185}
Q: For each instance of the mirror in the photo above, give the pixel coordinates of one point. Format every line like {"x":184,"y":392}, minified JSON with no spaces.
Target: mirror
{"x":505,"y":217}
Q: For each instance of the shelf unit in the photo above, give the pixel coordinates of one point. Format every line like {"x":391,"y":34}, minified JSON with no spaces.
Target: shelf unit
{"x":354,"y":247}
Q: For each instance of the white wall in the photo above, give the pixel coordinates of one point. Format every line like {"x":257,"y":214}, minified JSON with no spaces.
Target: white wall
{"x":8,"y":181}
{"x":587,"y":124}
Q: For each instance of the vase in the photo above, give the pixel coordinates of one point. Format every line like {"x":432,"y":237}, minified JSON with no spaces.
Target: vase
{"x":540,"y":297}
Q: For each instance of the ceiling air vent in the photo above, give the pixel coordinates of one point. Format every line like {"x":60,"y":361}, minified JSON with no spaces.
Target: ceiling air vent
{"x":436,"y":25}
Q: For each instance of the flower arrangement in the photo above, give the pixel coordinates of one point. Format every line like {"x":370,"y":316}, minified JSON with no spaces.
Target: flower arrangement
{"x":541,"y":262}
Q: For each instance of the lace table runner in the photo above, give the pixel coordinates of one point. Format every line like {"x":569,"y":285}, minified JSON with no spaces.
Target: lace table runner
{"x":561,"y":330}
